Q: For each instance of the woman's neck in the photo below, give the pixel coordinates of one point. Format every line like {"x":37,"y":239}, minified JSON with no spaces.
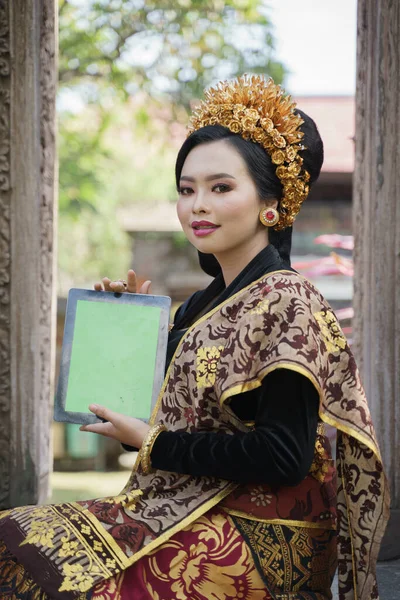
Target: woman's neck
{"x":235,"y":260}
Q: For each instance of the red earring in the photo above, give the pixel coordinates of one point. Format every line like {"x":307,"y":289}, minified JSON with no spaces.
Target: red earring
{"x":269,"y":217}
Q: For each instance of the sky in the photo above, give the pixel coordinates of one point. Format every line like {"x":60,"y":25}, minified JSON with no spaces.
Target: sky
{"x":316,"y":40}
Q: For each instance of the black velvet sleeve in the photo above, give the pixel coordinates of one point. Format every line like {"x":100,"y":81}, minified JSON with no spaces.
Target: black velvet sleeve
{"x":279,"y":451}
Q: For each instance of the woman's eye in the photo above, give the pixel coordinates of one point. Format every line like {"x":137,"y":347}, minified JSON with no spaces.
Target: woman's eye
{"x":185,"y":191}
{"x":220,"y":188}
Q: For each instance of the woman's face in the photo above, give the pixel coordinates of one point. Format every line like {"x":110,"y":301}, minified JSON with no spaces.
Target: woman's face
{"x":216,"y":187}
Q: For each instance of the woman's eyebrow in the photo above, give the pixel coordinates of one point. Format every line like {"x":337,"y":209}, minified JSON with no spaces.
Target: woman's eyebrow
{"x":209,"y":177}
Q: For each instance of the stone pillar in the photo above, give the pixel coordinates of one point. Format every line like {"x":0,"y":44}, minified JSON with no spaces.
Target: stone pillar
{"x":377,"y":234}
{"x":27,"y":253}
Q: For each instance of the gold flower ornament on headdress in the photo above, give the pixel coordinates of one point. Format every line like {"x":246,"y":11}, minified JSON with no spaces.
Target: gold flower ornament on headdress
{"x":258,"y":110}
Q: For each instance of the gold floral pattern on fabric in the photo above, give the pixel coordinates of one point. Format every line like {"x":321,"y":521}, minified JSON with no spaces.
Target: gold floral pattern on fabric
{"x":127,"y":500}
{"x":207,"y":364}
{"x":322,"y":459}
{"x":67,"y":533}
{"x":331,"y":331}
{"x":76,"y":578}
{"x":40,"y":533}
{"x":214,"y":563}
{"x":293,"y":560}
{"x":260,"y":308}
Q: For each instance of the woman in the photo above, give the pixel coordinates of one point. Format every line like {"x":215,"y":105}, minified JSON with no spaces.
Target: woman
{"x":234,"y":493}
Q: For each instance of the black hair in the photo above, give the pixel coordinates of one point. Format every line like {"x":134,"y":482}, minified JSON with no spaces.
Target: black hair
{"x":262,"y":171}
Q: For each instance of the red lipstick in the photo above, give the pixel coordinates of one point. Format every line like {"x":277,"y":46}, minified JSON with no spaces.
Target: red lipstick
{"x":201,"y":228}
{"x":205,"y":223}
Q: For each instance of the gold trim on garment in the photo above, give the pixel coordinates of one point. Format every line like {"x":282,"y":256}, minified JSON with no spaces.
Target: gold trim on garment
{"x":69,"y":525}
{"x":120,"y":556}
{"x":251,"y":385}
{"x":288,"y":522}
{"x":5,"y":513}
{"x":124,"y":561}
{"x":246,"y":386}
{"x":164,"y":537}
{"x":349,"y":431}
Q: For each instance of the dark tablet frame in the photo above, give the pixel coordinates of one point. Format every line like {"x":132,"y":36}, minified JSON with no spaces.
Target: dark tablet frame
{"x":161,"y":302}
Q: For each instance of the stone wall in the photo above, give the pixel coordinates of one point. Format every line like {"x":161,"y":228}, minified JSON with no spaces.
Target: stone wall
{"x":377,"y":233}
{"x":27,"y":226}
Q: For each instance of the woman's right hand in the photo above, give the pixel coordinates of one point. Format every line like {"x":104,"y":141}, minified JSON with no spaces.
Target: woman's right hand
{"x":121,"y":286}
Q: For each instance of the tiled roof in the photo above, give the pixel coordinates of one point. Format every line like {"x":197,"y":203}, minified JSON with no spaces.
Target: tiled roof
{"x":335,"y":119}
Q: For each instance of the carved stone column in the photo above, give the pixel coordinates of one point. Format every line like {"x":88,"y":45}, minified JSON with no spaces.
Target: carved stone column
{"x":377,"y":234}
{"x":27,"y":235}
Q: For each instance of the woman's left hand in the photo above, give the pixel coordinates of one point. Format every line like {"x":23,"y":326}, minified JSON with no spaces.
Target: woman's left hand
{"x":126,"y":430}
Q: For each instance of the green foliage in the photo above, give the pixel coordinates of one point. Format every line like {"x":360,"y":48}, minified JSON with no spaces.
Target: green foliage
{"x":93,"y":246}
{"x":174,"y":47}
{"x":91,"y":242}
{"x":82,"y":159}
{"x":128,"y":69}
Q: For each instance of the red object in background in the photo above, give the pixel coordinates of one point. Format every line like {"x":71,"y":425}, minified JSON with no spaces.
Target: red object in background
{"x":334,"y":240}
{"x":328,"y":265}
{"x":332,"y":265}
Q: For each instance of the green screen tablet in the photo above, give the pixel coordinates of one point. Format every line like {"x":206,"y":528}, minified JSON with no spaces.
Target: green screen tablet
{"x":113,"y":353}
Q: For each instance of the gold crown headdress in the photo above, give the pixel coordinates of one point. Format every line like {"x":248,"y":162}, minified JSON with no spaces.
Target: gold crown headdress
{"x":258,"y":110}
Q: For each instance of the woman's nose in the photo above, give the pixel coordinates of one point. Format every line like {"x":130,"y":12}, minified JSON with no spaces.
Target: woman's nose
{"x":200,"y":202}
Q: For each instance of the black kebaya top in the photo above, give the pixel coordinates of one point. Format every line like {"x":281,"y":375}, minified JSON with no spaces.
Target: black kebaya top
{"x":279,"y":449}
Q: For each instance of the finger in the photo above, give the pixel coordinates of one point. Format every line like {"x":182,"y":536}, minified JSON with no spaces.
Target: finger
{"x":131,"y":287}
{"x":98,"y":287}
{"x":145,"y":289}
{"x":106,"y":429}
{"x":106,"y":282}
{"x":106,"y":413}
{"x":117,"y":286}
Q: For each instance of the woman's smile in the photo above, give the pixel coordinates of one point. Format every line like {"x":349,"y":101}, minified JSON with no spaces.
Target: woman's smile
{"x":204,"y":231}
{"x":201,"y":228}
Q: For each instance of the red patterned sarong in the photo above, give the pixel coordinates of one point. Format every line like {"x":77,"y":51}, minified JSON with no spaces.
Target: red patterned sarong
{"x":208,"y":560}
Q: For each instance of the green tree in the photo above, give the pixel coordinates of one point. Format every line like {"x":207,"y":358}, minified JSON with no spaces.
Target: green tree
{"x":174,"y":47}
{"x":121,"y":63}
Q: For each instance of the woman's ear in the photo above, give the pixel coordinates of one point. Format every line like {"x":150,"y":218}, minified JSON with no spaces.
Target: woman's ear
{"x":270,"y":203}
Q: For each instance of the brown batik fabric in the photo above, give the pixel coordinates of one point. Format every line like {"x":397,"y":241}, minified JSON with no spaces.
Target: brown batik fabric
{"x":278,"y":321}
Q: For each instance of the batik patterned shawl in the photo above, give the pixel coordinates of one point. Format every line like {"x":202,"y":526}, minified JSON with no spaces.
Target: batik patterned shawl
{"x":278,"y":321}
